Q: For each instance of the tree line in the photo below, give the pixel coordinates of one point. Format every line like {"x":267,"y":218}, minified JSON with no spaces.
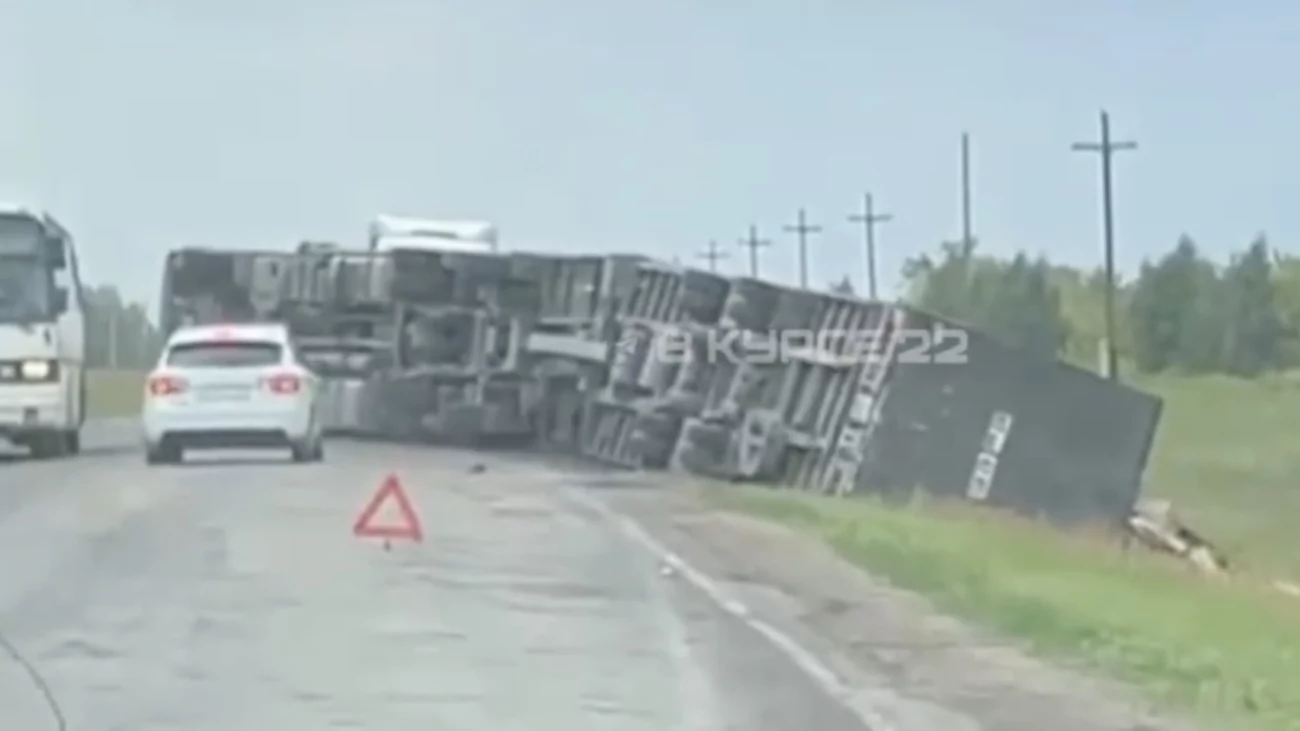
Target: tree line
{"x":119,"y":334}
{"x":1183,"y":312}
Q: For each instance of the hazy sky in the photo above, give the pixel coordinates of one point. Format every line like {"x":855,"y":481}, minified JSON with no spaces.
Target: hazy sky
{"x":651,"y":126}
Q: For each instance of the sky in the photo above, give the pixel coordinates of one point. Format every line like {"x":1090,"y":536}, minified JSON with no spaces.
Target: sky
{"x":576,"y":125}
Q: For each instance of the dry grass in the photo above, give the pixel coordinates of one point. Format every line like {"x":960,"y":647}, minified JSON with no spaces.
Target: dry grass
{"x":114,"y":393}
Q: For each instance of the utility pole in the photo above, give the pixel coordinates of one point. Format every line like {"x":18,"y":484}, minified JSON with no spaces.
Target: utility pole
{"x":967,"y":235}
{"x":712,"y":255}
{"x":1106,"y":148}
{"x":802,"y":228}
{"x":753,"y":243}
{"x":869,"y":218}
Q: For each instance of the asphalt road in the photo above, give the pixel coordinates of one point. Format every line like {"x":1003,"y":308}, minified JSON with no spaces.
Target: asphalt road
{"x":233,"y":595}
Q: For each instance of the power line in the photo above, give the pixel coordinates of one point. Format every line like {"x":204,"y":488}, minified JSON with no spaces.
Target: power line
{"x":1106,"y":149}
{"x":802,"y":228}
{"x":712,"y":254}
{"x":754,"y":243}
{"x":869,"y":218}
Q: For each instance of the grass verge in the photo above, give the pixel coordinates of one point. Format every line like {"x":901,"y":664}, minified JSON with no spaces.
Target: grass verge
{"x":113,"y":393}
{"x":1228,"y":457}
{"x":1225,"y":652}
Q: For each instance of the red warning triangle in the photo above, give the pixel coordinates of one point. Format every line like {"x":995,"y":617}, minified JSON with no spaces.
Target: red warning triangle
{"x":390,"y":488}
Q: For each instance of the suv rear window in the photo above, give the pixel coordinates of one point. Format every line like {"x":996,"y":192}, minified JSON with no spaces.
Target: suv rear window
{"x":225,"y":354}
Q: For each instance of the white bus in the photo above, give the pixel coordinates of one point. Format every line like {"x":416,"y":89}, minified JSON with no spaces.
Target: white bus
{"x":42,"y":334}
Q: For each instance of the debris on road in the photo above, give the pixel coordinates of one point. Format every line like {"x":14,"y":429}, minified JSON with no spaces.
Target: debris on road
{"x":1154,"y":524}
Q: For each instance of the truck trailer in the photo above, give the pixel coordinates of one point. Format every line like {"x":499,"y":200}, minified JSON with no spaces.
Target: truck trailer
{"x":430,"y":332}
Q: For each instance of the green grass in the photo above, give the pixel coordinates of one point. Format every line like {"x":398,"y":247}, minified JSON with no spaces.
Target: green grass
{"x":113,"y":393}
{"x":1227,"y":455}
{"x":1224,"y":652}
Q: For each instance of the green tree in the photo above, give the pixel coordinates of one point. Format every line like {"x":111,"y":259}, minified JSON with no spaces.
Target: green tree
{"x":1203,"y":328}
{"x":1286,"y":302}
{"x":943,"y":286}
{"x":1083,"y":307}
{"x":1033,"y":319}
{"x":844,"y":286}
{"x":1172,"y":312}
{"x":1016,"y":301}
{"x":1253,"y":327}
{"x":119,"y":334}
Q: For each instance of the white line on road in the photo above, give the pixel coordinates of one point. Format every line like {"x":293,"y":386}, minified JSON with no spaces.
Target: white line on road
{"x":803,"y":658}
{"x":698,"y":703}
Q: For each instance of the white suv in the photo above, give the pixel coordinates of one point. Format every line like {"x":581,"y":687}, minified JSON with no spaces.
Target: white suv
{"x":231,"y":386}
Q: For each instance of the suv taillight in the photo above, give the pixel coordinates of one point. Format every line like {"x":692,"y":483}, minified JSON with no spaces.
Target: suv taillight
{"x":166,"y":386}
{"x":283,"y":383}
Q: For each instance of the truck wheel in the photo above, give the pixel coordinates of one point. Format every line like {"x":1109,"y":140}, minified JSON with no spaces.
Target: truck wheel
{"x":72,"y":441}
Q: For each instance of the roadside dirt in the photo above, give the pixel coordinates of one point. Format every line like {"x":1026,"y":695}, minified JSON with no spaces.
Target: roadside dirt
{"x":880,"y":636}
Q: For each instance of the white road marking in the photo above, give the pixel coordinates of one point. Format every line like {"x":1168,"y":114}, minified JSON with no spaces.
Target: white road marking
{"x":699,"y":707}
{"x":803,"y":658}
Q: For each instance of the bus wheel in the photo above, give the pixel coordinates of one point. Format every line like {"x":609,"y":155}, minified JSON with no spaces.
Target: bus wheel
{"x":72,"y":441}
{"x":47,"y":446}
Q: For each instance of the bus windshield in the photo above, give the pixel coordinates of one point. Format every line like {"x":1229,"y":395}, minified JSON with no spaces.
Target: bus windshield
{"x":20,"y":236}
{"x":25,"y":287}
{"x":25,"y":281}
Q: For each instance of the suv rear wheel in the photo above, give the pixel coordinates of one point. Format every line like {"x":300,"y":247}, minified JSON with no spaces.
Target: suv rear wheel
{"x":163,"y":454}
{"x":312,"y":451}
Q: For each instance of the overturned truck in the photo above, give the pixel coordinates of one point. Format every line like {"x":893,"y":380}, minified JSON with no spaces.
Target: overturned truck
{"x":430,"y":333}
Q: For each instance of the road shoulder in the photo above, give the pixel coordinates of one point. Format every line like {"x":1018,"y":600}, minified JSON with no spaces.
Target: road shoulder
{"x":908,"y":659}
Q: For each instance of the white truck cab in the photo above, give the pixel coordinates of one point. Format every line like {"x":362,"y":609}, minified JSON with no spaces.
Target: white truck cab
{"x":42,"y":334}
{"x":397,"y":232}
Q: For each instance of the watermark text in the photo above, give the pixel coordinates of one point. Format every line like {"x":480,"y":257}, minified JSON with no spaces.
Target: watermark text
{"x":936,"y":346}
